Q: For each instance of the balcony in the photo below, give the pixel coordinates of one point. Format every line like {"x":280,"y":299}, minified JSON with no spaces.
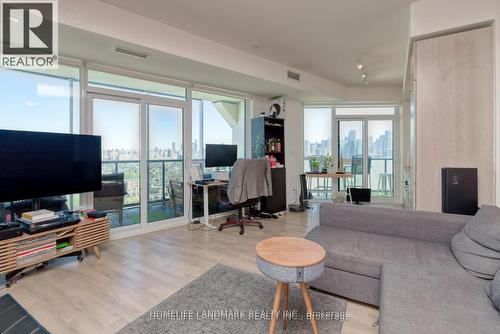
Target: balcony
{"x":164,"y":179}
{"x":380,"y":179}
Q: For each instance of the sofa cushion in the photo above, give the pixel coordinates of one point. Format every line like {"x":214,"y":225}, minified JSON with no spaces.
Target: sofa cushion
{"x":477,"y":246}
{"x":364,"y":253}
{"x":480,"y":261}
{"x":416,"y":300}
{"x":484,"y":227}
{"x":493,"y":290}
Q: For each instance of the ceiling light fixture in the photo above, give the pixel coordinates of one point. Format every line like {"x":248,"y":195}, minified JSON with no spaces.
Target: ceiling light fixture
{"x":359,"y":64}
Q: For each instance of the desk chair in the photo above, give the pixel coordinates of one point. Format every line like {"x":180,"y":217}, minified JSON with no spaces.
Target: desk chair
{"x":250,"y":181}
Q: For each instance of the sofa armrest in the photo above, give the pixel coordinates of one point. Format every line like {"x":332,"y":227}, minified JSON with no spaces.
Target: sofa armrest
{"x":420,"y":225}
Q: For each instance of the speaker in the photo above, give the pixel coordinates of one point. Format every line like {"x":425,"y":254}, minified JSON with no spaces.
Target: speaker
{"x":459,"y":187}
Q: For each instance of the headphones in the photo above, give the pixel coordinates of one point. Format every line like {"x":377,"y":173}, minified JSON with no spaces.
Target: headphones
{"x":275,"y":110}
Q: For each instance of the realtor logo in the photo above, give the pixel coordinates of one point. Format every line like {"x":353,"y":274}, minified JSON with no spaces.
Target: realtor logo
{"x":29,"y":34}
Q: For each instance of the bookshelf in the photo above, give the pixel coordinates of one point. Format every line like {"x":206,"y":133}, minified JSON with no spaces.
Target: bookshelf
{"x":88,"y":233}
{"x":265,"y":131}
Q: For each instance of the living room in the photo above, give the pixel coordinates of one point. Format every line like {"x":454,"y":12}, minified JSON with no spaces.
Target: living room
{"x":250,"y":167}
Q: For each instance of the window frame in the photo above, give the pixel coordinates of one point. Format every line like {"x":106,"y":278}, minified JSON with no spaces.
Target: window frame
{"x":85,"y":127}
{"x":396,"y":118}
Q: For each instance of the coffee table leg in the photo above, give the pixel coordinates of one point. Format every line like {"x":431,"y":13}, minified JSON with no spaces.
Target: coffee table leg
{"x":309,"y":306}
{"x":285,"y":304}
{"x":276,"y":307}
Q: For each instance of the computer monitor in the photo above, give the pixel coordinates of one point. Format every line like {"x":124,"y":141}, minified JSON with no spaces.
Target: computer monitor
{"x":220,"y":155}
{"x":359,"y":195}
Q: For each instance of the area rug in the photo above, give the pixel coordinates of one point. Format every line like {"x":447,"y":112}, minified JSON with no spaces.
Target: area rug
{"x":15,"y":319}
{"x":227,"y":300}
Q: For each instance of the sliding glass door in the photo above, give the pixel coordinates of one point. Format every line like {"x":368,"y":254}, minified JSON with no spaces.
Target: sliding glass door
{"x":381,"y":157}
{"x":363,"y":141}
{"x":165,"y":163}
{"x":350,"y":148}
{"x":142,"y":159}
{"x":117,"y":121}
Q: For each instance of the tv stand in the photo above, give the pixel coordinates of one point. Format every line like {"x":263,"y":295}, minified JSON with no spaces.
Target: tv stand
{"x":87,"y":234}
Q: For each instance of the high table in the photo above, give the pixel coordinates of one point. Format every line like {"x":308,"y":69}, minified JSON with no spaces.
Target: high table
{"x":333,"y":177}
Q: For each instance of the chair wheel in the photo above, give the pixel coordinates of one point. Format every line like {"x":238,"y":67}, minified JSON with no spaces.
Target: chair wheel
{"x":242,"y":231}
{"x":80,"y":258}
{"x":220,"y":228}
{"x":261,"y":226}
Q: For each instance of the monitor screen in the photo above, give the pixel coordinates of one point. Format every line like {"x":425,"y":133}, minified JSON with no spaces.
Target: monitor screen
{"x":360,"y":194}
{"x":220,"y":155}
{"x":38,"y":164}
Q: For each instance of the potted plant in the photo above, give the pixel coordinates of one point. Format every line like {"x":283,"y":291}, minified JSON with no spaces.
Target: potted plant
{"x":315,"y":165}
{"x":328,"y":164}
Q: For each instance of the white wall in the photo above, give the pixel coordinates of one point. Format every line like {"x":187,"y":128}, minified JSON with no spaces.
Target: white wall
{"x":294,"y":146}
{"x":429,"y":17}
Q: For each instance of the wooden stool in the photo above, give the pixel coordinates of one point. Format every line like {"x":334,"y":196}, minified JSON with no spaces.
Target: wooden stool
{"x":290,"y":260}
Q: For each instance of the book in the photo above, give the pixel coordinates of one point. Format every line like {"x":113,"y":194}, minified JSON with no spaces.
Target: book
{"x":38,"y":215}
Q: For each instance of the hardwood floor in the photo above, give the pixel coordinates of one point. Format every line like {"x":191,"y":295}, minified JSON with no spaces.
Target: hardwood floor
{"x":136,"y":273}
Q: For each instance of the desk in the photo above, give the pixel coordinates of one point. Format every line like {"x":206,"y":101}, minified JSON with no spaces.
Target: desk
{"x":216,"y":183}
{"x":333,"y":176}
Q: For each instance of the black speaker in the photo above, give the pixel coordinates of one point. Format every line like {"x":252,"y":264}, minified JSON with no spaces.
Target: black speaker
{"x":459,"y":186}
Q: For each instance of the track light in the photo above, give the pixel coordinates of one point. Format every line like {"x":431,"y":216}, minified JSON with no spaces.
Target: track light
{"x":360,"y":66}
{"x":364,"y":76}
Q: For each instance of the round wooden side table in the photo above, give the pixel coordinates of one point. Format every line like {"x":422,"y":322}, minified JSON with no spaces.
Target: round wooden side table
{"x":290,"y":260}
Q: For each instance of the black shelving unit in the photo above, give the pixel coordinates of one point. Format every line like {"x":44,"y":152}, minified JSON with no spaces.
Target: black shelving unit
{"x":263,"y":129}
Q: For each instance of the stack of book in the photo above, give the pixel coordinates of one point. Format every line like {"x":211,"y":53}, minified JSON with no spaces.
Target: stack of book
{"x":38,"y":216}
{"x":30,"y":250}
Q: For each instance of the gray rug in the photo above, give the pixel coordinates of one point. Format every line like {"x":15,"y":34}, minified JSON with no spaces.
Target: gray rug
{"x":14,"y":319}
{"x":227,"y":300}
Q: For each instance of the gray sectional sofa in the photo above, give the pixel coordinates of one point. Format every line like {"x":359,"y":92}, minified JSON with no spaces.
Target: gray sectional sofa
{"x":401,"y":261}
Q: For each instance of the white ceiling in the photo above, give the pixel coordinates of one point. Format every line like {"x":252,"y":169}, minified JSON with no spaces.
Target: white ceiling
{"x":80,"y":44}
{"x":322,"y":37}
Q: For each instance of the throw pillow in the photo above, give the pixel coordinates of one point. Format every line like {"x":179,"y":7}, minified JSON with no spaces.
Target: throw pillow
{"x":484,"y":227}
{"x":477,"y":246}
{"x":478,"y":260}
{"x":493,"y":290}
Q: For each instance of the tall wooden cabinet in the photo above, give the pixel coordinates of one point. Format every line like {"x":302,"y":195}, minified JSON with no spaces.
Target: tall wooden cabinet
{"x":453,"y":112}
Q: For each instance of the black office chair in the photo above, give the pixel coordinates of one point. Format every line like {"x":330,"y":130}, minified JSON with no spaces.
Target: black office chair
{"x":256,"y":181}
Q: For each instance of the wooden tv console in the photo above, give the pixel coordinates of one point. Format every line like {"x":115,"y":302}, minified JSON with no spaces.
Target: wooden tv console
{"x":88,"y":233}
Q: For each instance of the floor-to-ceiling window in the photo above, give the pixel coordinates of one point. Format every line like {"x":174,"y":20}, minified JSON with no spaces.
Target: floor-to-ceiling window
{"x":117,"y":121}
{"x":141,"y":124}
{"x":365,"y":142}
{"x":165,"y":163}
{"x":46,"y":101}
{"x":317,"y":147}
{"x":143,"y":121}
{"x":217,"y":119}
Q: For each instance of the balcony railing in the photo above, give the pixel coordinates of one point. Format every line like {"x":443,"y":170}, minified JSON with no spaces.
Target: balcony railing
{"x":160,"y":172}
{"x":380,"y":178}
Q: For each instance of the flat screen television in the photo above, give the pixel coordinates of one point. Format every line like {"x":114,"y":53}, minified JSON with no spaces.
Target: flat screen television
{"x":39,"y":164}
{"x":220,"y":155}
